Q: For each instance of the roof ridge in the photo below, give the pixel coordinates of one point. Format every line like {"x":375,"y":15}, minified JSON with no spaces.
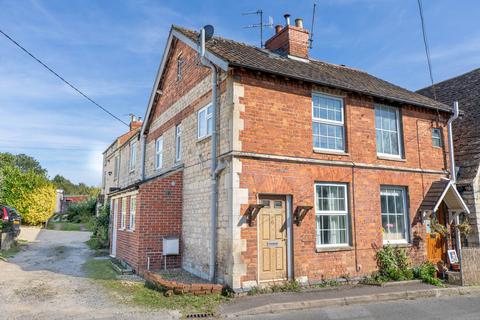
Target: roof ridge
{"x":449,"y":79}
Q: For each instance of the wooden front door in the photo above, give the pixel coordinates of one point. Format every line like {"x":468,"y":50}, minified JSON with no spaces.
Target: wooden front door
{"x":436,"y":243}
{"x":272,"y":233}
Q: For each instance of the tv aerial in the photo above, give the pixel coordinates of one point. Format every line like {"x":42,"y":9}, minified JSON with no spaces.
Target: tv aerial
{"x":260,"y":23}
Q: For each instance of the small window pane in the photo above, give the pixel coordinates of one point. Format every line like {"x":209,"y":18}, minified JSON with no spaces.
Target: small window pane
{"x":436,"y":137}
{"x":278,"y":204}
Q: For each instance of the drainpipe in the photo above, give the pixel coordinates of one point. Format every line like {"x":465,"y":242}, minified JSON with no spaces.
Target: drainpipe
{"x":450,"y":142}
{"x":143,"y":147}
{"x":453,"y":177}
{"x":213,"y":166}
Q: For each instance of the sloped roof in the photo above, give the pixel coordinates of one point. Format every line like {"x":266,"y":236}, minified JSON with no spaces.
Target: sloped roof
{"x":247,"y":56}
{"x":443,"y":190}
{"x":466,"y":129}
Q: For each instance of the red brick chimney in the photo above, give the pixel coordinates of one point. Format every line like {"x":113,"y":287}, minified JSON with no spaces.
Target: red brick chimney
{"x":292,"y":40}
{"x":135,"y":122}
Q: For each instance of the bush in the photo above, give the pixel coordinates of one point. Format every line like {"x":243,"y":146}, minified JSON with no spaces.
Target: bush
{"x":393,"y":263}
{"x":82,"y":212}
{"x":28,"y":192}
{"x":100,"y":238}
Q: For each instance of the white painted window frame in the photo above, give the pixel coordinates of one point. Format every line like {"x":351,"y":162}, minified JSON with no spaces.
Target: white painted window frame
{"x":208,"y":116}
{"x":439,"y":138}
{"x":330,"y":122}
{"x":406,"y":219}
{"x":133,"y":156}
{"x":399,"y":132}
{"x":123,"y":217}
{"x":159,"y":153}
{"x":116,"y":168}
{"x":345,"y":213}
{"x":133,"y":208}
{"x":178,"y":142}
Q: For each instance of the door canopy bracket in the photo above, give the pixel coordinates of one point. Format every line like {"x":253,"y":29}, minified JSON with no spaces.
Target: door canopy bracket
{"x":300,"y":213}
{"x":252,"y":212}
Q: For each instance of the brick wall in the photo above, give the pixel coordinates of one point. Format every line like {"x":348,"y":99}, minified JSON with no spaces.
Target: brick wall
{"x":471,"y":266}
{"x":277,"y":120}
{"x":159,"y":203}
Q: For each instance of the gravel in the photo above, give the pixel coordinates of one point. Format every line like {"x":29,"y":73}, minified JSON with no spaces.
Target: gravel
{"x":46,"y":281}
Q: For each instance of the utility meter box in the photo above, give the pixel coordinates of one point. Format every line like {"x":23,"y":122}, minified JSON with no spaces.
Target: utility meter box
{"x":171,"y":246}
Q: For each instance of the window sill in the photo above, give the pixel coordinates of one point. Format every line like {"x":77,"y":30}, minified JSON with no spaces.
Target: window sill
{"x":331,"y":152}
{"x":130,"y":230}
{"x":397,"y":244}
{"x":131,"y":171}
{"x":202,"y":139}
{"x":391,"y":158}
{"x":333,"y":249}
{"x":121,"y":229}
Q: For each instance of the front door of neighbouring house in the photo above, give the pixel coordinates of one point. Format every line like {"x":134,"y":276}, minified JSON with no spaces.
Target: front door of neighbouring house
{"x":435,"y":241}
{"x":272,"y":239}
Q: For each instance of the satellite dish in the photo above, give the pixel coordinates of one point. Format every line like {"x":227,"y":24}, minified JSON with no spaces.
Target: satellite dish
{"x":208,"y":32}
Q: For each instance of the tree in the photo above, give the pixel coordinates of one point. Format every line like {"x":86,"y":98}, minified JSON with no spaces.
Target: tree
{"x":32,"y":194}
{"x":23,"y":162}
{"x":69,"y":187}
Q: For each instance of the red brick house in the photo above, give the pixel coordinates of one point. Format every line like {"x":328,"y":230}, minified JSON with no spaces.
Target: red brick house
{"x":315,"y":165}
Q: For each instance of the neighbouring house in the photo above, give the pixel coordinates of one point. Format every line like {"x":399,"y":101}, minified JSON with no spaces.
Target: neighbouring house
{"x":315,"y":166}
{"x":466,"y":140}
{"x":63,"y":201}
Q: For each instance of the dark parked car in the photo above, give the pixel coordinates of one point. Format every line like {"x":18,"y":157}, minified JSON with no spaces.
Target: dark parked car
{"x":10,"y":216}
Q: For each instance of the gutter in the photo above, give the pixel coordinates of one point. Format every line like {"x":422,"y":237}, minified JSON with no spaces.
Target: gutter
{"x":213,"y":165}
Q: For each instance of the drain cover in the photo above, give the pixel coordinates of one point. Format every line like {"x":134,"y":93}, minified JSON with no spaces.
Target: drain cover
{"x":199,"y":315}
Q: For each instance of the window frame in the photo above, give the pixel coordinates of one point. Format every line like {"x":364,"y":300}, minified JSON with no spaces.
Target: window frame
{"x":178,"y":142}
{"x":406,"y":215}
{"x":399,"y":132}
{"x":158,"y":153}
{"x":123,"y":212}
{"x":132,"y":163}
{"x":132,"y":213}
{"x":116,"y":168}
{"x":180,"y":63}
{"x":332,"y":213}
{"x":207,"y":117}
{"x":439,"y":138}
{"x":329,"y":122}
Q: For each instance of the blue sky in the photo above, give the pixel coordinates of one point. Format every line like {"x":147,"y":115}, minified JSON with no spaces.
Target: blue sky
{"x":111,"y":50}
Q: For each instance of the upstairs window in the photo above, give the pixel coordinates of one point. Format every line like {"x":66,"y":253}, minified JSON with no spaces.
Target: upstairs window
{"x":331,"y":211}
{"x":178,"y":142}
{"x":180,"y":63}
{"x":116,"y":168}
{"x":328,"y":123}
{"x":387,"y":127}
{"x":204,"y":121}
{"x":437,"y":137}
{"x":133,"y":156}
{"x":159,"y":153}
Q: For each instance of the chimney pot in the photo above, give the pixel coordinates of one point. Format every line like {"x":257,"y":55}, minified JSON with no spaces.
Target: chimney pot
{"x":278,"y":28}
{"x":287,"y":19}
{"x":299,"y":23}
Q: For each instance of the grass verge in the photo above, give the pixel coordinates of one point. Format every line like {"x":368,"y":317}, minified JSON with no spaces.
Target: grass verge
{"x":139,"y":294}
{"x":65,"y":226}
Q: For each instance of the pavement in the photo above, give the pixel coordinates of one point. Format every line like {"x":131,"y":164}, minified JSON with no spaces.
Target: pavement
{"x":458,"y":308}
{"x":337,"y":297}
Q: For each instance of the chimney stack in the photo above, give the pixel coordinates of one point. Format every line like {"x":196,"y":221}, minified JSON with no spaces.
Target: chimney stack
{"x":135,"y":122}
{"x":291,"y":40}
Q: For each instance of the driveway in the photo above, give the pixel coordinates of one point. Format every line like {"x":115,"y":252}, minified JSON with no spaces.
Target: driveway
{"x":46,"y":281}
